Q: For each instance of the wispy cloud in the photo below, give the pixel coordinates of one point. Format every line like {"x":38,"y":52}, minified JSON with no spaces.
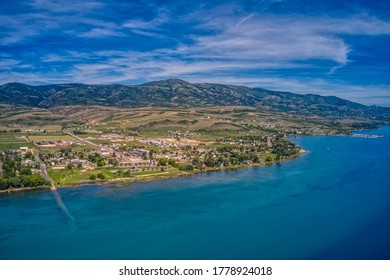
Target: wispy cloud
{"x":150,"y":28}
{"x":47,"y":17}
{"x":74,"y":6}
{"x":287,"y":38}
{"x":259,"y":44}
{"x":100,"y":32}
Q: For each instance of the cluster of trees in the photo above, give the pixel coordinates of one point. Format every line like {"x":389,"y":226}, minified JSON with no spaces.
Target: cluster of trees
{"x":11,"y":164}
{"x":113,"y":161}
{"x":22,"y":181}
{"x":15,"y":175}
{"x":186,"y":167}
{"x":95,"y":158}
{"x":166,"y":162}
{"x":284,"y":148}
{"x":78,"y":132}
{"x":69,"y":166}
{"x":100,"y":176}
{"x":226,"y":158}
{"x":11,"y":130}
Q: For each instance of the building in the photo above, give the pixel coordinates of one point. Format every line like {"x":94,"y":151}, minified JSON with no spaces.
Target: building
{"x":23,"y":149}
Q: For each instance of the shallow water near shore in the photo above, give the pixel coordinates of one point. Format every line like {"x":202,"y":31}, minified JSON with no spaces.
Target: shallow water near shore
{"x":333,"y":202}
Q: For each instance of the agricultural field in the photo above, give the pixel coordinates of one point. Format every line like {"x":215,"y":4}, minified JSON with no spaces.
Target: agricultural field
{"x":28,"y":118}
{"x":53,"y":138}
{"x":204,"y":123}
{"x":13,"y":141}
{"x":115,"y":144}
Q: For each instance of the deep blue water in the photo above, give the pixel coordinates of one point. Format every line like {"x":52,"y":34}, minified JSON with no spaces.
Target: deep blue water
{"x":331,"y":203}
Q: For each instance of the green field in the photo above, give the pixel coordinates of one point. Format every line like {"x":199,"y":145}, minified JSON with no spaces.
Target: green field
{"x":63,"y":177}
{"x":14,"y":146}
{"x":8,"y":141}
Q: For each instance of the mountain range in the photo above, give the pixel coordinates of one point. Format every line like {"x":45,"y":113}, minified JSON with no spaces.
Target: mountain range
{"x":179,"y":93}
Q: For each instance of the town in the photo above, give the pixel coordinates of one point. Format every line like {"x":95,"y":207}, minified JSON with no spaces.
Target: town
{"x":85,"y":156}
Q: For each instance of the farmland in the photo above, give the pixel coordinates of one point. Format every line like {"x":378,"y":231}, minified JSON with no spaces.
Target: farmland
{"x":84,"y":144}
{"x":29,"y":118}
{"x":11,"y":141}
{"x":38,"y":138}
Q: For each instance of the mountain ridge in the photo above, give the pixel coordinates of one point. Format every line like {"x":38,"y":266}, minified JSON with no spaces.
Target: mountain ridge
{"x":179,"y":93}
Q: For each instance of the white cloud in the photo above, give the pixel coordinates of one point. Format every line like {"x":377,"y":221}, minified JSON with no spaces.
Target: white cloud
{"x":149,"y":28}
{"x":58,"y":6}
{"x":283,"y":38}
{"x":224,"y":44}
{"x":7,"y":64}
{"x":101,"y":32}
{"x":47,"y":17}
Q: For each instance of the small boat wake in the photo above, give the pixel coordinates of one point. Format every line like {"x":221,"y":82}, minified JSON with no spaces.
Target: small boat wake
{"x":61,"y":204}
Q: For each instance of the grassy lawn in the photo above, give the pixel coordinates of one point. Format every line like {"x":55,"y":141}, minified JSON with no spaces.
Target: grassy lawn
{"x":14,"y":145}
{"x":63,"y":177}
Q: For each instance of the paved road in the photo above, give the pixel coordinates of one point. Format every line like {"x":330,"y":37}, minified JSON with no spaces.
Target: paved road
{"x":84,"y":140}
{"x":43,"y":171}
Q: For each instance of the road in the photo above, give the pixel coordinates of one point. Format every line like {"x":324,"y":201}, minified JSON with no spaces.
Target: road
{"x":83,"y":140}
{"x":43,"y":172}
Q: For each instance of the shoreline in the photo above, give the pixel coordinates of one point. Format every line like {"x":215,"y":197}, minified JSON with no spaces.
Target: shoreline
{"x":130,"y":180}
{"x":13,"y":190}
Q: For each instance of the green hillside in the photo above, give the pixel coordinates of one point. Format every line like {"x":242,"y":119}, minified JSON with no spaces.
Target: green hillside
{"x":177,"y":93}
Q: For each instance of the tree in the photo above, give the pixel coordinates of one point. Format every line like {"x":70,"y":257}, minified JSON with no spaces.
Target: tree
{"x":34,"y":180}
{"x":113,"y":162}
{"x":101,"y":176}
{"x":196,"y":162}
{"x":162,"y":162}
{"x":186,"y":167}
{"x":151,"y":154}
{"x":226,"y":161}
{"x":14,"y":182}
{"x":255,"y":159}
{"x":92,"y":177}
{"x":79,"y":165}
{"x":209,"y":162}
{"x":29,"y":155}
{"x":25,"y":171}
{"x":3,"y":184}
{"x":69,"y":166}
{"x":173,"y":163}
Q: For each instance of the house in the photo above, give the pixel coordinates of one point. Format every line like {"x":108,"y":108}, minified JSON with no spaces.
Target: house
{"x":46,"y":144}
{"x":23,"y":150}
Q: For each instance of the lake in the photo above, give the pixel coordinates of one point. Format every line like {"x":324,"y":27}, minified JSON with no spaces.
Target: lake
{"x":333,"y":202}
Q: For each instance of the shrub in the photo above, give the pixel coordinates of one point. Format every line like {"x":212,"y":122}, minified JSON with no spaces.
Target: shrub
{"x":186,"y":167}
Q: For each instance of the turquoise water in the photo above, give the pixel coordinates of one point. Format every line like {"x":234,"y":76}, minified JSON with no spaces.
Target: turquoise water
{"x":331,"y":203}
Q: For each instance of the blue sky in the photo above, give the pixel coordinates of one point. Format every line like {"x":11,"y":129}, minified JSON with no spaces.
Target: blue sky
{"x":328,"y":47}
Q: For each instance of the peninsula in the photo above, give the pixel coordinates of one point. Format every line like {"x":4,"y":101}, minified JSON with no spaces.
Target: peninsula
{"x":71,"y":134}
